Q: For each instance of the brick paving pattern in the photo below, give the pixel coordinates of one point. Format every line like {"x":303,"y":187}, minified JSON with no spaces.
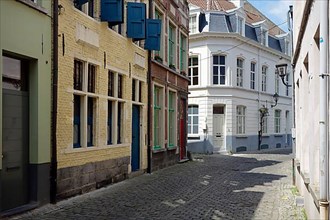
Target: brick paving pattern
{"x":242,"y":186}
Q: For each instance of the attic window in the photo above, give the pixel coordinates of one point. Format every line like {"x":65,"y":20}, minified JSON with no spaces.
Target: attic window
{"x":240,"y":25}
{"x":86,"y":6}
{"x":264,"y":37}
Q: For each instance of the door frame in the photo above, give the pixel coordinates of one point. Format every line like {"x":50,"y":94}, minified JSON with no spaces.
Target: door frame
{"x":224,"y":125}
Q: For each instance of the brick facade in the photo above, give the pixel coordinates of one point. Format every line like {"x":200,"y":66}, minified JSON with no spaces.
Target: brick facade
{"x":86,"y":39}
{"x":174,"y":13}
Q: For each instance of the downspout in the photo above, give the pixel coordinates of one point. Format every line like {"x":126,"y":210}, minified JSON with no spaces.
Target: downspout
{"x":290,"y":27}
{"x":324,"y":163}
{"x":149,"y":168}
{"x":53,"y":165}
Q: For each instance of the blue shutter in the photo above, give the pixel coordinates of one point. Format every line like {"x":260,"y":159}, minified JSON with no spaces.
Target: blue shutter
{"x":136,"y":20}
{"x":153,"y":34}
{"x":79,"y":3}
{"x":112,"y":11}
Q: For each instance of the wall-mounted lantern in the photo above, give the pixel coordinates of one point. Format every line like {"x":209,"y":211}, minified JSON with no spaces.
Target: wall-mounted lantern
{"x":281,"y":70}
{"x":275,"y":98}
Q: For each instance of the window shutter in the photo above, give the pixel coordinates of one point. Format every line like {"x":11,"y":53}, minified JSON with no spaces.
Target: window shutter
{"x":136,"y":20}
{"x":79,"y":3}
{"x":153,"y":34}
{"x":112,"y":11}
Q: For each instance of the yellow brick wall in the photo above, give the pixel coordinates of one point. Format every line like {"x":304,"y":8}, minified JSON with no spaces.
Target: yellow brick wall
{"x":120,"y":55}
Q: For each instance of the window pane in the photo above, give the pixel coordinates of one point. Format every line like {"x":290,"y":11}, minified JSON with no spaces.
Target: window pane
{"x":222,"y":80}
{"x":195,"y":131}
{"x":195,"y":120}
{"x":215,"y":80}
{"x":189,"y":129}
{"x":222,"y":60}
{"x":109,"y":122}
{"x":195,"y":81}
{"x":78,"y":74}
{"x":222,"y":70}
{"x":195,"y":110}
{"x":189,"y":120}
{"x":195,"y":71}
{"x":91,"y":78}
{"x":110,"y":83}
{"x":215,"y":59}
{"x":76,"y":122}
{"x":120,"y":86}
{"x":90,"y":121}
{"x":215,"y":71}
{"x":119,"y":123}
{"x":195,"y":61}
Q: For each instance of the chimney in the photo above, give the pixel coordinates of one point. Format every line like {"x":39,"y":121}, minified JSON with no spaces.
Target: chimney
{"x":208,"y":2}
{"x":238,"y":3}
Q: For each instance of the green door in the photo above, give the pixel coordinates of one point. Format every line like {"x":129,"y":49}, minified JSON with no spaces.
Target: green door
{"x":15,"y":133}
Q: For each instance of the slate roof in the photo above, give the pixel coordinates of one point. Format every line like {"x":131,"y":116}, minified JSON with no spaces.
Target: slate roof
{"x":226,"y":23}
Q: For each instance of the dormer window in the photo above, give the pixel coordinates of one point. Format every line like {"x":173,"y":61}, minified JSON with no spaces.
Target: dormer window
{"x":240,"y":25}
{"x":287,"y":47}
{"x":193,"y":24}
{"x":86,"y":6}
{"x":264,"y":37}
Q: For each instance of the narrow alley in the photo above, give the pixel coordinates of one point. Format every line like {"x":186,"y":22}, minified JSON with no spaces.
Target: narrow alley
{"x":242,"y":186}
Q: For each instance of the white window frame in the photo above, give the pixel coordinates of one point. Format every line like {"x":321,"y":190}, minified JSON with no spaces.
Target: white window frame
{"x":277,"y":121}
{"x":253,"y":75}
{"x":192,"y":25}
{"x":265,"y":125}
{"x":219,"y":68}
{"x":191,"y":68}
{"x":191,"y":116}
{"x":239,"y":71}
{"x":264,"y":70}
{"x":240,"y":25}
{"x":240,"y":119}
{"x":277,"y":84}
{"x":264,"y":36}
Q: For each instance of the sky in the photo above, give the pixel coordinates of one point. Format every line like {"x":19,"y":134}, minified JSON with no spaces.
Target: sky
{"x":275,"y":10}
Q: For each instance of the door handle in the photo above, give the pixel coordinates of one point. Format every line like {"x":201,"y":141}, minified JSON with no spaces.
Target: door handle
{"x":12,"y":168}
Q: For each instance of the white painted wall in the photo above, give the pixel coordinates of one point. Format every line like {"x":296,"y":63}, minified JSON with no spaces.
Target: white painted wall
{"x":205,"y":95}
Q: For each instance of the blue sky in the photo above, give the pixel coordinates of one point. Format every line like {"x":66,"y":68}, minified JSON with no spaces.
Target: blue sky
{"x":275,"y":10}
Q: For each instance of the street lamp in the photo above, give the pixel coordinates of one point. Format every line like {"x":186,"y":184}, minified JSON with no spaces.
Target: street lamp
{"x":275,"y":97}
{"x":281,"y":70}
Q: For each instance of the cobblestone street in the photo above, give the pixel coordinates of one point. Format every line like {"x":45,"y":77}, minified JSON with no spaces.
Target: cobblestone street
{"x":242,"y":186}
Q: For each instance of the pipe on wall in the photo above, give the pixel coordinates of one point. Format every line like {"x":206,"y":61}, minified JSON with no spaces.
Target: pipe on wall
{"x":149,"y":154}
{"x":53,"y":165}
{"x":324,"y":107}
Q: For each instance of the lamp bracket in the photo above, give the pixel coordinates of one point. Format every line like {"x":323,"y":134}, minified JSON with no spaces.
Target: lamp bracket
{"x":324,"y":74}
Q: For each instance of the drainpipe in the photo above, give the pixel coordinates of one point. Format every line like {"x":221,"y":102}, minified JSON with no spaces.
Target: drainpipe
{"x":290,"y":28}
{"x":324,"y":163}
{"x":149,"y":155}
{"x":53,"y":165}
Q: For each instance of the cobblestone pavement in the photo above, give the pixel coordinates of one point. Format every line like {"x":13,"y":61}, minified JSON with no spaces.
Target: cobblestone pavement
{"x":242,"y":186}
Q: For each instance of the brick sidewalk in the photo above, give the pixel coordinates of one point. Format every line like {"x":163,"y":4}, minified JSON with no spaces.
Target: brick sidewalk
{"x":242,"y":186}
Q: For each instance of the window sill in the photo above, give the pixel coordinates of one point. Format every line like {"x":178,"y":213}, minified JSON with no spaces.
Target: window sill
{"x":241,"y":136}
{"x":172,"y":148}
{"x":159,"y":150}
{"x":94,"y":148}
{"x":265,"y":135}
{"x":34,"y":5}
{"x":195,"y":137}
